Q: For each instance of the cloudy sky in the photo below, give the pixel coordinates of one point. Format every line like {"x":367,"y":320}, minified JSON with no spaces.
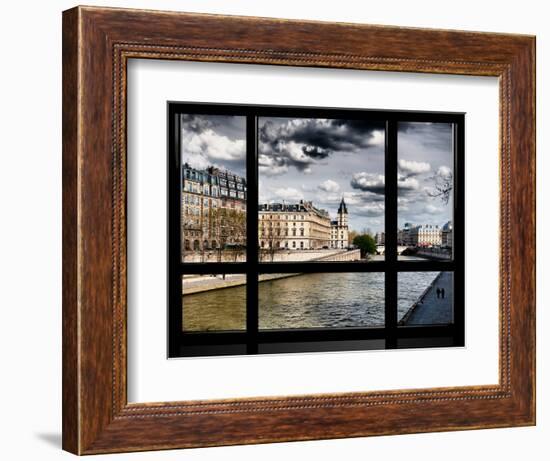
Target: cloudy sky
{"x":425,"y":159}
{"x":217,"y":140}
{"x":323,"y":160}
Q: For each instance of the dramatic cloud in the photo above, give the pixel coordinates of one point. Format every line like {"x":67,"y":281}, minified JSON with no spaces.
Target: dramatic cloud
{"x":374,"y":183}
{"x":315,"y":152}
{"x":300,"y":143}
{"x":329,"y":186}
{"x":351,"y":154}
{"x":368,"y":182}
{"x":290,"y":153}
{"x":272,"y":166}
{"x":196,"y":123}
{"x":213,"y":140}
{"x":406,"y":184}
{"x":413,"y":168}
{"x":213,"y":146}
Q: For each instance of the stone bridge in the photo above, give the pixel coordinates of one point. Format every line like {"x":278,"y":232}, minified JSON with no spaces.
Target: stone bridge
{"x":311,"y":255}
{"x":381,"y":249}
{"x":346,"y":255}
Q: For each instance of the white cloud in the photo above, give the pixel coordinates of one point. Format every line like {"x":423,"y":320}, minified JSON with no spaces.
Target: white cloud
{"x":444,"y":172}
{"x":411,"y":167}
{"x":378,"y":138}
{"x":370,"y":182}
{"x":295,"y":152}
{"x":329,"y":186}
{"x":270,"y":167}
{"x":288,"y":194}
{"x":213,"y":146}
{"x":407,"y":183}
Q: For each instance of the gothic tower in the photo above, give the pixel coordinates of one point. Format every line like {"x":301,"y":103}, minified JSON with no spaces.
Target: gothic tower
{"x":342,"y":214}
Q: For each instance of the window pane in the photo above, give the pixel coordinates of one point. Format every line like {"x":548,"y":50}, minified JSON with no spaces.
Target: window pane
{"x":214,"y":302}
{"x":425,"y":298}
{"x":213,"y":188}
{"x":425,"y":190}
{"x":321,"y":189}
{"x":321,"y":300}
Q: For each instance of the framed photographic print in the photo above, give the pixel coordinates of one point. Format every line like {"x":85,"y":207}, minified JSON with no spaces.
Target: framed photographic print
{"x":282,"y":230}
{"x":317,"y":280}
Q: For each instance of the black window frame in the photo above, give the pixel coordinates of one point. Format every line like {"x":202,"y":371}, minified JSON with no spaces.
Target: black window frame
{"x":255,"y":341}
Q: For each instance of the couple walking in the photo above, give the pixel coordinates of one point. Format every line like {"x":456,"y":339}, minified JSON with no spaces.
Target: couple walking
{"x":440,"y":293}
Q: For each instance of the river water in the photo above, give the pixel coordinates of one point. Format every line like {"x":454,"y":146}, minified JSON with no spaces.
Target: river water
{"x":318,"y":300}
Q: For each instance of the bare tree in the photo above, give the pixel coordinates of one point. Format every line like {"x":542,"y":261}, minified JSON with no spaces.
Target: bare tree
{"x":271,"y":234}
{"x":237,"y":229}
{"x":217,"y":224}
{"x":228,"y":228}
{"x":443,"y":186}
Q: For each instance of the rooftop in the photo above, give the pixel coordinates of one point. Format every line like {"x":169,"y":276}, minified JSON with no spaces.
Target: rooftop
{"x":301,"y":207}
{"x":203,"y":175}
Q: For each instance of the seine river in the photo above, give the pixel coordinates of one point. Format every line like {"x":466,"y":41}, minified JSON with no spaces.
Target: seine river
{"x":305,"y":301}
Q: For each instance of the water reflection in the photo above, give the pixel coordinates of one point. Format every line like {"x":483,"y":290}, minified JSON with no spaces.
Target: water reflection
{"x":320,"y":300}
{"x":214,"y":310}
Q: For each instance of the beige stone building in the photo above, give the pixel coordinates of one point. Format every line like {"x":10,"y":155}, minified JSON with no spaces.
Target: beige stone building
{"x":426,"y":235}
{"x":301,"y":226}
{"x":213,"y":210}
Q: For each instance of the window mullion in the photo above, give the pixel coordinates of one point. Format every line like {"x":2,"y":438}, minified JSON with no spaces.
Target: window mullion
{"x":390,"y":172}
{"x":252,"y":264}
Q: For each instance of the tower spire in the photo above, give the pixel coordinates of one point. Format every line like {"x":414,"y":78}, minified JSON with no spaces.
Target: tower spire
{"x":342,"y":209}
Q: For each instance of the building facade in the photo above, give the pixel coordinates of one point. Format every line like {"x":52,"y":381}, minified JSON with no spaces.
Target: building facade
{"x":426,"y":235}
{"x":405,"y":236}
{"x":447,"y":235}
{"x":213,"y":209}
{"x":299,"y":226}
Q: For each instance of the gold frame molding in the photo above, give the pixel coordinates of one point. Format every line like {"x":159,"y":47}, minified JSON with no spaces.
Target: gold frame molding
{"x":97,"y":43}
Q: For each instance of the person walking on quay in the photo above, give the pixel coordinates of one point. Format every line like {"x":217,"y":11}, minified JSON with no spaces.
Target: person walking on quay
{"x":442,"y":293}
{"x":438,"y":292}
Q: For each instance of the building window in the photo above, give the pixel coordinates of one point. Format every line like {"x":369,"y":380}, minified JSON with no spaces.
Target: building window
{"x":384,"y":270}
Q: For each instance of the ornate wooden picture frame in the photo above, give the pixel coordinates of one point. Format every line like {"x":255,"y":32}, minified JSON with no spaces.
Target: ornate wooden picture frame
{"x":97,"y":44}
